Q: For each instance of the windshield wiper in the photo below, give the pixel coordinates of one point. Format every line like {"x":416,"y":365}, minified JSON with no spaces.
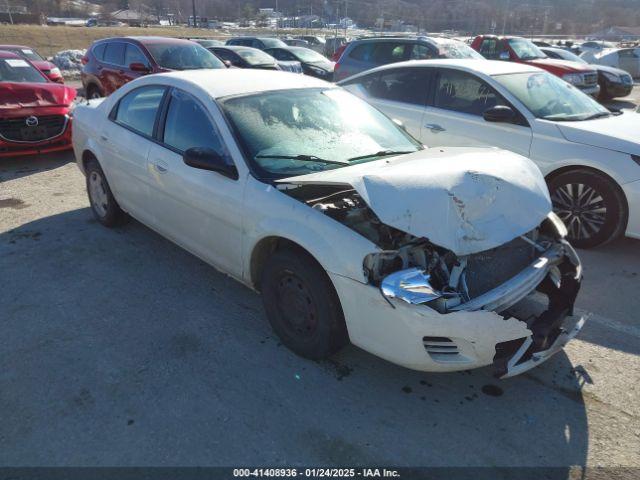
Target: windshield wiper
{"x":381,"y":153}
{"x":597,"y":115}
{"x":303,"y":158}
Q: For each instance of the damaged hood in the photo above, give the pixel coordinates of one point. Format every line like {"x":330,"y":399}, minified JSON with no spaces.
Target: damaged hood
{"x":620,"y":132}
{"x":27,"y":95}
{"x":466,"y":200}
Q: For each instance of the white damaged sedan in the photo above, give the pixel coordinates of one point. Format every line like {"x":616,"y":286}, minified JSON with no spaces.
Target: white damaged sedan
{"x":435,"y":259}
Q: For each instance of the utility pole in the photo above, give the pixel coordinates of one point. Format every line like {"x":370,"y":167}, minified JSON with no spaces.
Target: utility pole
{"x":9,"y":12}
{"x":276,"y":18}
{"x":193,"y":4}
{"x":346,"y":12}
{"x":504,"y":19}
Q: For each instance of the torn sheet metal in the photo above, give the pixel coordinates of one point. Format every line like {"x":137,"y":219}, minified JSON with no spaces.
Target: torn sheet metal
{"x":466,"y":200}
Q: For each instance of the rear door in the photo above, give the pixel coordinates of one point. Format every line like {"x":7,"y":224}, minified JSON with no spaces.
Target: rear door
{"x":112,"y":67}
{"x":125,"y":141}
{"x":198,"y":209}
{"x":453,"y":117}
{"x":400,"y":94}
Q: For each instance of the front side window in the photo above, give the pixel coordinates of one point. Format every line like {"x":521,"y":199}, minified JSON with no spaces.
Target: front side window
{"x":408,"y":85}
{"x":489,"y":48}
{"x":114,"y":53}
{"x":138,"y":109}
{"x":188,"y":125}
{"x":20,"y":71}
{"x":452,"y":49}
{"x":525,"y":49}
{"x":302,"y":131}
{"x":183,"y":56}
{"x":464,"y":93}
{"x":550,"y":97}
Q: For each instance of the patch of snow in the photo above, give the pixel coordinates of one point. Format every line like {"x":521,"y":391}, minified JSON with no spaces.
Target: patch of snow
{"x":69,"y":60}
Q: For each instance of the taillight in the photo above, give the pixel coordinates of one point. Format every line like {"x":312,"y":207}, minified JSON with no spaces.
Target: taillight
{"x":85,"y":59}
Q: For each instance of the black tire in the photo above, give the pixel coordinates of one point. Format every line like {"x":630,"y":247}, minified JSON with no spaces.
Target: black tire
{"x":591,"y":205}
{"x":103,"y":204}
{"x":93,"y":92}
{"x":302,"y":305}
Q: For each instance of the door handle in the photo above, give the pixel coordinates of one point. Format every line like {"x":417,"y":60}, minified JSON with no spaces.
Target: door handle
{"x":104,"y":138}
{"x":435,"y":128}
{"x":160,"y":167}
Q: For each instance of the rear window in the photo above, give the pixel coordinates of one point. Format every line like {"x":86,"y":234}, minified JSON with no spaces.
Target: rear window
{"x":20,"y":71}
{"x":114,"y":53}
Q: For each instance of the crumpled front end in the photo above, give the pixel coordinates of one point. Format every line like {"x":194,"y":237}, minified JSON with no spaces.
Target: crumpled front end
{"x":428,"y":308}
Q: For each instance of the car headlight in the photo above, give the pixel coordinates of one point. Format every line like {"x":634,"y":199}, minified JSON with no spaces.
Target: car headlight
{"x":318,"y":71}
{"x":55,"y":71}
{"x":573,"y":78}
{"x":612,"y":77}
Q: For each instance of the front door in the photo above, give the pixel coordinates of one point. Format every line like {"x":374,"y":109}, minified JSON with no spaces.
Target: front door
{"x":198,"y":209}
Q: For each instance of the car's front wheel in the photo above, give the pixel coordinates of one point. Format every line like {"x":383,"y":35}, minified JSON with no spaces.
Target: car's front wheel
{"x":302,"y":305}
{"x":103,"y":204}
{"x":591,"y":205}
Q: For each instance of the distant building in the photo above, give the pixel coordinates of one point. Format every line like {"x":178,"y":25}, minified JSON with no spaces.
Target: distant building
{"x":617,"y":34}
{"x":134,"y":18}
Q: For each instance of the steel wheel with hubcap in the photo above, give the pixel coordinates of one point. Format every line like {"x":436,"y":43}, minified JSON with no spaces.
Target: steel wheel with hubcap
{"x":591,"y":206}
{"x":103,"y":204}
{"x":302,"y":305}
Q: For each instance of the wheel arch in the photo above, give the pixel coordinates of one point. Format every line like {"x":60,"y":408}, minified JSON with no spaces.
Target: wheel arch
{"x":266,"y":247}
{"x":572,"y":168}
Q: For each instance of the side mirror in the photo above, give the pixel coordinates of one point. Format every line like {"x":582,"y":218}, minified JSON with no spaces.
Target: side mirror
{"x":227,"y":63}
{"x":139,"y":67}
{"x":209,"y":159}
{"x":499,"y":113}
{"x":505,"y":56}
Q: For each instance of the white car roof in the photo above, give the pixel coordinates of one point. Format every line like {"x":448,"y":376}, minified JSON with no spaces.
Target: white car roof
{"x":488,"y":67}
{"x":236,"y":81}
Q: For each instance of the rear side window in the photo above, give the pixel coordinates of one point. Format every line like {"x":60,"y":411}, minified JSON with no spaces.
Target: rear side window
{"x":114,"y":53}
{"x":137,"y":110}
{"x":362,"y":52}
{"x":134,"y":55}
{"x":188,"y":125}
{"x":422,"y":52}
{"x":98,"y":51}
{"x":391,"y":52}
{"x":408,"y":85}
{"x":464,"y":93}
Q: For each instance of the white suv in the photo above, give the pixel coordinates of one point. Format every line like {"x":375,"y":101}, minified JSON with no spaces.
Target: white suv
{"x":589,"y":155}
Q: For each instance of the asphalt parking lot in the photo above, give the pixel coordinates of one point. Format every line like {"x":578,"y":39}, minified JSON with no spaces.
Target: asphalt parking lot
{"x":119,"y":348}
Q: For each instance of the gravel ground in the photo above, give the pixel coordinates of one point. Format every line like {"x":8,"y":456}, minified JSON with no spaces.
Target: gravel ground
{"x":119,"y":348}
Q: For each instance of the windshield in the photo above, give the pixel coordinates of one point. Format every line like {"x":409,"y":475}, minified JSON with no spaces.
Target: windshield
{"x":525,"y":49}
{"x":307,"y":55}
{"x":27,"y":53}
{"x":450,"y":49}
{"x":550,"y":97}
{"x":256,"y":57}
{"x":20,"y":71}
{"x":287,"y":133}
{"x":272,"y":42}
{"x":183,"y":56}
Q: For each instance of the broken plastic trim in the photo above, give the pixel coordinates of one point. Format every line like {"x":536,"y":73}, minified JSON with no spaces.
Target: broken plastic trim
{"x":411,"y":285}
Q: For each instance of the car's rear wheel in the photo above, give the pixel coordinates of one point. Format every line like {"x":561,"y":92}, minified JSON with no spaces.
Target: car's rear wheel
{"x":103,"y":204}
{"x":93,"y":92}
{"x":591,"y":205}
{"x":302,"y":305}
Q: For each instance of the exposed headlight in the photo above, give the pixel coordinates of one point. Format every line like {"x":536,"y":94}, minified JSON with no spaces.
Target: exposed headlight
{"x":612,"y":77}
{"x":411,"y":285}
{"x":573,"y":78}
{"x":55,"y":71}
{"x":559,"y":225}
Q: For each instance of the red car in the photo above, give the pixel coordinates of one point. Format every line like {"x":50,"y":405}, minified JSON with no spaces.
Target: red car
{"x":34,"y":111}
{"x":521,"y":50}
{"x":49,"y":69}
{"x":112,"y":62}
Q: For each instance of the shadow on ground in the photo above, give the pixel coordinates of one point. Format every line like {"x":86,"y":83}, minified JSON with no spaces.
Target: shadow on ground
{"x":120,"y":348}
{"x":18,"y":167}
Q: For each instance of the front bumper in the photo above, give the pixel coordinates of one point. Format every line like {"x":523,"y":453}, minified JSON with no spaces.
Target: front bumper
{"x":420,"y":338}
{"x":632,"y":192}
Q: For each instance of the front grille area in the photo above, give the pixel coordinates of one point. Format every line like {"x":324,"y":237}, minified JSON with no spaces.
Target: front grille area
{"x":590,"y":79}
{"x":17,"y":130}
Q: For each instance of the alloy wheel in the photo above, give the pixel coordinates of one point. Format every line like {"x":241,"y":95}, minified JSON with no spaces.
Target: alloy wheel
{"x":581,"y":207}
